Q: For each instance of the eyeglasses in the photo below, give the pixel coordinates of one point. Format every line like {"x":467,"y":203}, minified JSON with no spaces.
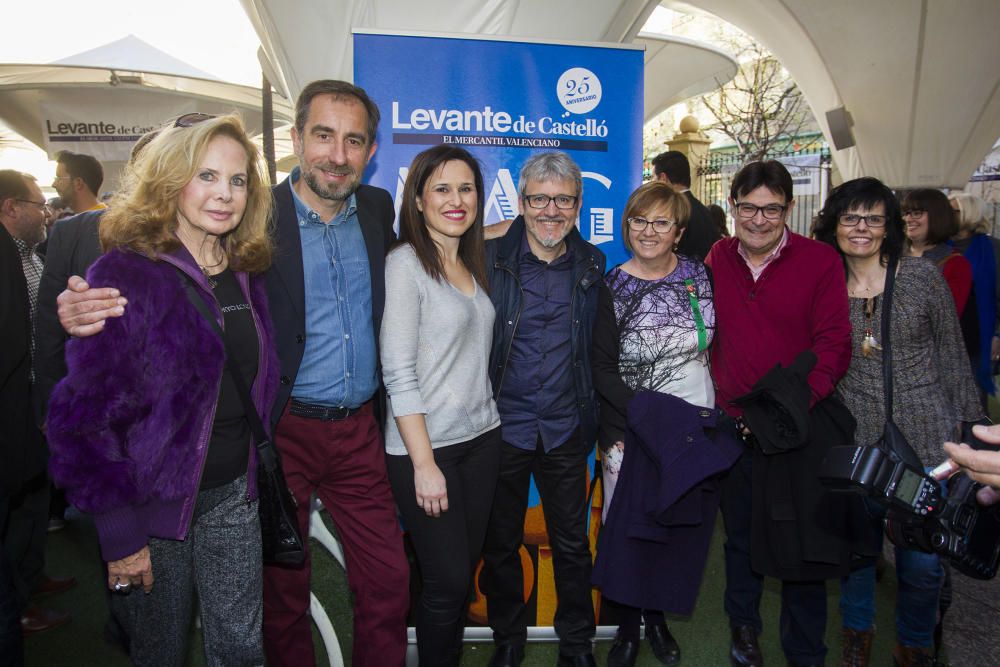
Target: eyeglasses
{"x":564,"y":202}
{"x":43,"y":205}
{"x":914,"y":213}
{"x":638,"y":224}
{"x":770,"y":211}
{"x":851,"y":220}
{"x":190,"y":119}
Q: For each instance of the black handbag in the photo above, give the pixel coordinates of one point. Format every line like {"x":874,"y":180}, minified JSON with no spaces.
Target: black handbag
{"x":279,"y":528}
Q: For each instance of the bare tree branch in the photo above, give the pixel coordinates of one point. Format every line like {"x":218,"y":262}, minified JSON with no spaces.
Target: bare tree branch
{"x":761,"y":108}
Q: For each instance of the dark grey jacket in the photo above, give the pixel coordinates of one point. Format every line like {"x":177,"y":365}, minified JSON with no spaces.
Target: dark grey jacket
{"x":506,"y":294}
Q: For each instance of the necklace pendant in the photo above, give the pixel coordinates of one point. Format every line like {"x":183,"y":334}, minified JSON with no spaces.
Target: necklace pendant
{"x":212,"y":282}
{"x":869,"y":345}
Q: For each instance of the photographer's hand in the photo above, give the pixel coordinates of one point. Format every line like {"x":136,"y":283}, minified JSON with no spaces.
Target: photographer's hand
{"x":982,"y":466}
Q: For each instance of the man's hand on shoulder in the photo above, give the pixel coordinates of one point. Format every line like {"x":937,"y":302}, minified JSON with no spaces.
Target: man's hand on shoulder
{"x":83,"y":309}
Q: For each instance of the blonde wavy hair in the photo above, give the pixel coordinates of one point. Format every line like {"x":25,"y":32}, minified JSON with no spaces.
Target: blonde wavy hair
{"x":971,"y":213}
{"x":143,"y":215}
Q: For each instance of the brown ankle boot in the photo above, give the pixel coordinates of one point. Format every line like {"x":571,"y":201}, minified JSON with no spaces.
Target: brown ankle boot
{"x":912,"y":656}
{"x":857,"y":647}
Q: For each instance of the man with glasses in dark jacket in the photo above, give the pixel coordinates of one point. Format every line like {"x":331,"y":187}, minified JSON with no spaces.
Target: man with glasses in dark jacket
{"x":544,"y":282}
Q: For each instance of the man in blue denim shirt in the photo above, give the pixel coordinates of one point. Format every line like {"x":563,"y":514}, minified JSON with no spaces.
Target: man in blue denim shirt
{"x":327,"y":289}
{"x":544,"y":282}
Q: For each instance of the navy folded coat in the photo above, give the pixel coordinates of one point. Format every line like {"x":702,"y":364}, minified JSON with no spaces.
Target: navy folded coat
{"x":653,"y":547}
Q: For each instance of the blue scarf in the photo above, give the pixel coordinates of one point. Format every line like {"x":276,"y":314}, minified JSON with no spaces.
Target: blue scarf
{"x":984,"y":277}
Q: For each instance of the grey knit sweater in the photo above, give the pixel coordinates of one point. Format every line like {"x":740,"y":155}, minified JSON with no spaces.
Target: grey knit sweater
{"x":933,"y":388}
{"x":435,"y":346}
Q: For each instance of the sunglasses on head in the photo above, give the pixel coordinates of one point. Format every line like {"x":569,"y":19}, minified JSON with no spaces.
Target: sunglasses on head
{"x":190,"y":119}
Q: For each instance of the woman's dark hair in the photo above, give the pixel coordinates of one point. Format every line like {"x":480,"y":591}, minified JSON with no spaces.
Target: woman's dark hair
{"x":718,"y":216}
{"x":413,"y":228}
{"x":942,"y":223}
{"x":863,"y":193}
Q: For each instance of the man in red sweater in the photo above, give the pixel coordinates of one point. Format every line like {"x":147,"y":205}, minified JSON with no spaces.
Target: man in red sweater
{"x":776,"y":294}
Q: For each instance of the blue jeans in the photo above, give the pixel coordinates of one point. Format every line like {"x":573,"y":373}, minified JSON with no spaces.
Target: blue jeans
{"x":920,"y":577}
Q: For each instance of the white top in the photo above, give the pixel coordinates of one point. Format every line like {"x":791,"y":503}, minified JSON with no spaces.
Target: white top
{"x":435,"y":348}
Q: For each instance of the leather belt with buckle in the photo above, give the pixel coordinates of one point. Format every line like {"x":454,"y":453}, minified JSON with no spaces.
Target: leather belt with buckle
{"x":321,"y":412}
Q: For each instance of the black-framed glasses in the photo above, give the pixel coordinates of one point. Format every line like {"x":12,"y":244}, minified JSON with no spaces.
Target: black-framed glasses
{"x":193,"y":118}
{"x":44,"y":205}
{"x":914,"y":213}
{"x":637,"y":224}
{"x":564,"y":202}
{"x":747,"y":210}
{"x":852,"y":220}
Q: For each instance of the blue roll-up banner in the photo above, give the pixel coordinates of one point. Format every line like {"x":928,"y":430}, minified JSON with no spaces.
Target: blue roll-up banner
{"x":503,"y":101}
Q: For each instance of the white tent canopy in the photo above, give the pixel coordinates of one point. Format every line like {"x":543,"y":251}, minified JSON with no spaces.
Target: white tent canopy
{"x":312,"y":40}
{"x":919,"y":77}
{"x":131,"y":54}
{"x":127,"y":85}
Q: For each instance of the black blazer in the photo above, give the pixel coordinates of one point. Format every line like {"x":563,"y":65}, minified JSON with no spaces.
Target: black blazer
{"x":22,"y":454}
{"x":286,"y":283}
{"x":701,"y":233}
{"x":73,"y":246}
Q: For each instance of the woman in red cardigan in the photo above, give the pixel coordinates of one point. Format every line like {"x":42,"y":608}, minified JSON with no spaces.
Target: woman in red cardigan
{"x":930,"y":222}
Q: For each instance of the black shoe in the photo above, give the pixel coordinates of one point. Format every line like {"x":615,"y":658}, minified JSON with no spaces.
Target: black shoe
{"x":585,"y":660}
{"x":745,"y":651}
{"x":664,"y":646}
{"x":507,"y":655}
{"x":623,"y":653}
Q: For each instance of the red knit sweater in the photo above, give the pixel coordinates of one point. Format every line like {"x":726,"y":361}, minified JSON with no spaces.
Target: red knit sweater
{"x":798,"y":303}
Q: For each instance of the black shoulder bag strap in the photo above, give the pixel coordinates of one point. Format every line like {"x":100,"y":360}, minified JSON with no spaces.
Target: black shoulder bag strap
{"x":892,"y":437}
{"x":264,"y":448}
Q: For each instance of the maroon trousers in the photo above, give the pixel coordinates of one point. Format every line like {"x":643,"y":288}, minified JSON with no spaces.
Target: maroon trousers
{"x":343,"y":462}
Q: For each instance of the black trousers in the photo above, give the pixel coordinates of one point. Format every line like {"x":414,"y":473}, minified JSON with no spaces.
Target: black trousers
{"x":27,"y":535}
{"x":803,"y":603}
{"x":11,"y":643}
{"x":561,"y":477}
{"x":448,"y":547}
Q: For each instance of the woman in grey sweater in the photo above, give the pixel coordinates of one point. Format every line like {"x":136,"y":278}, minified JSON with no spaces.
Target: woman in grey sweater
{"x":933,"y":393}
{"x":442,"y":435}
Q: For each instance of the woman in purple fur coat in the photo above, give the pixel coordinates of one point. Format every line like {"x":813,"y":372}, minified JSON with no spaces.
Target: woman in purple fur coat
{"x":147,"y":431}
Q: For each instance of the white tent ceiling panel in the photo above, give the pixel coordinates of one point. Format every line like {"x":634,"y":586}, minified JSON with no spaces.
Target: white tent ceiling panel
{"x":919,"y":77}
{"x":671,"y":67}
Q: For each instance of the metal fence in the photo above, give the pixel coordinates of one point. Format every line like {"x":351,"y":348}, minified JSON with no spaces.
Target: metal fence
{"x":810,"y":172}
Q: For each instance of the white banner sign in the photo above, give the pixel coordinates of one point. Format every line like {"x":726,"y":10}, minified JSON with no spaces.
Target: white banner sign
{"x":98,"y":128}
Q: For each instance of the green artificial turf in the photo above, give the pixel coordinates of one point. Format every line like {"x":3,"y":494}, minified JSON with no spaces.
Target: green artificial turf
{"x":704,"y":638}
